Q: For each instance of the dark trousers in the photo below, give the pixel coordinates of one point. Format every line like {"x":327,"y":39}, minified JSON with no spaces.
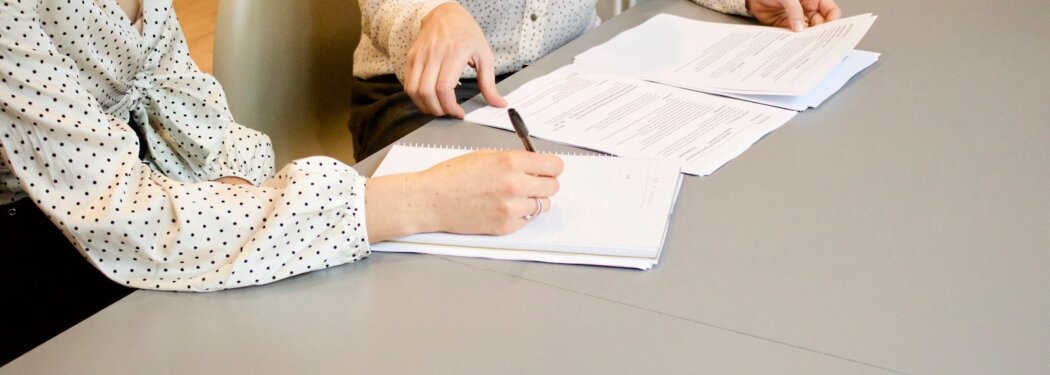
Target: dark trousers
{"x":381,"y":112}
{"x":46,"y":286}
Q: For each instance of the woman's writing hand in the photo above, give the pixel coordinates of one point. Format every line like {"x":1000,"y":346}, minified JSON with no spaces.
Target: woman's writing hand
{"x":483,"y":192}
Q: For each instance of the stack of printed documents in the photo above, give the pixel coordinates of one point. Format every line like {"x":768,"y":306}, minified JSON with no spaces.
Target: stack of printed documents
{"x":698,"y":92}
{"x":773,"y":66}
{"x":628,"y":116}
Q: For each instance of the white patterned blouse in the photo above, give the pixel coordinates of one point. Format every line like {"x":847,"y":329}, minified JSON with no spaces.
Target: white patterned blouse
{"x":519,"y":31}
{"x":81,"y":87}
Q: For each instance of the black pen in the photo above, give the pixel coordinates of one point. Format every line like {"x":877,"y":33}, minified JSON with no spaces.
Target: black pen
{"x":521,"y":129}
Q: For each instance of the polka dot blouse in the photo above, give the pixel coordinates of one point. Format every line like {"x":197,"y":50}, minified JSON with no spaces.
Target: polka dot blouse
{"x":519,"y":31}
{"x":75,"y":74}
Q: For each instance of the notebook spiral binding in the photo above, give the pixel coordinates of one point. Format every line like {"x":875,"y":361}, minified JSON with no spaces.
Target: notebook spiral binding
{"x":474,"y":148}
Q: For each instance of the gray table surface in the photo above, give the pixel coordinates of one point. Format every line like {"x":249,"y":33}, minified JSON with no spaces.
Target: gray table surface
{"x":903,"y":227}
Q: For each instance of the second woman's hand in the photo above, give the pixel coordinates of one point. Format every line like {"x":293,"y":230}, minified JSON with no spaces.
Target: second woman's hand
{"x":449,"y":40}
{"x":794,"y":14}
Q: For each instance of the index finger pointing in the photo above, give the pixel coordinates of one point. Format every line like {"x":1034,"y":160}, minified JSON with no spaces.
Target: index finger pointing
{"x":484,"y":65}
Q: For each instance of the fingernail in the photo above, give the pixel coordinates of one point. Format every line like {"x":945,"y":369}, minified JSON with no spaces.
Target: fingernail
{"x":798,"y":25}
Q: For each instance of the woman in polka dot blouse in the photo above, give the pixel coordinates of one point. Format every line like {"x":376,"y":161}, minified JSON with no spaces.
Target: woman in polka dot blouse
{"x":121,"y":166}
{"x":412,"y":59}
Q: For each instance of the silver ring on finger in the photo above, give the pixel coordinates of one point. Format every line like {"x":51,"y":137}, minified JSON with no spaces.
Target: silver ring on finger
{"x":539,"y":210}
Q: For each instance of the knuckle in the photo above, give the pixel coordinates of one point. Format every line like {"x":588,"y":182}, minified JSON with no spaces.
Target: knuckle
{"x":449,"y":80}
{"x":443,"y":89}
{"x":504,"y":210}
{"x":508,"y":161}
{"x":510,"y":189}
{"x":423,"y":90}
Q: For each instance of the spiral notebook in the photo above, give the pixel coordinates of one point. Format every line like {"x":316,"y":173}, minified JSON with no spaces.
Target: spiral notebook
{"x":609,"y":211}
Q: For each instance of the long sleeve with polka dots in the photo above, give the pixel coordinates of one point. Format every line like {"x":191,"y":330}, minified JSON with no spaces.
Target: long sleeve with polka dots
{"x":519,"y":31}
{"x":139,"y":225}
{"x":737,"y":7}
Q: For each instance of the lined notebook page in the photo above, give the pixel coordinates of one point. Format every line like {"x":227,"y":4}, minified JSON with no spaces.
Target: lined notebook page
{"x":607,"y":206}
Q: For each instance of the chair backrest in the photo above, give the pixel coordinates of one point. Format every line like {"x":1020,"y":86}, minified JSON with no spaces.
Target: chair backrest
{"x":286,"y":67}
{"x":610,"y":8}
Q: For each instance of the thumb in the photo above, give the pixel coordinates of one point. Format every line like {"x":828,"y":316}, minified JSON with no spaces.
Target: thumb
{"x":485,"y":67}
{"x":795,"y":16}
